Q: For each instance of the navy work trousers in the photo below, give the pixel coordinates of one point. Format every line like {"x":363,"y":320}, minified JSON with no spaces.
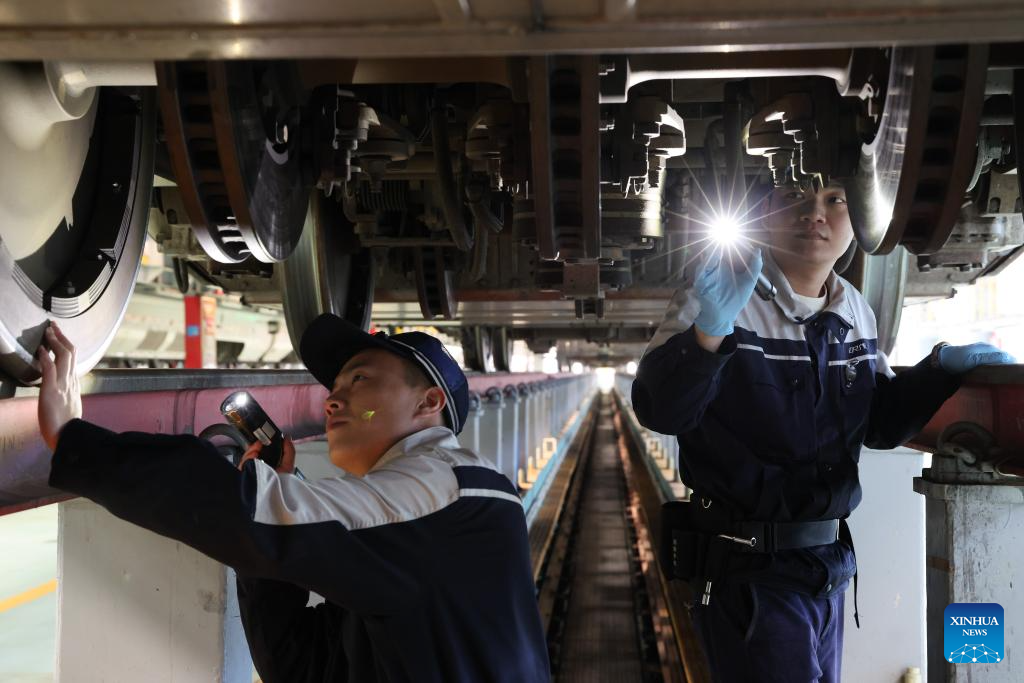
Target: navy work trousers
{"x":754,"y":632}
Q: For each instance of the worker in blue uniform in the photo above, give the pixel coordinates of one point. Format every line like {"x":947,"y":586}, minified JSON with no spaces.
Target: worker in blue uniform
{"x":418,"y":546}
{"x":771,"y":400}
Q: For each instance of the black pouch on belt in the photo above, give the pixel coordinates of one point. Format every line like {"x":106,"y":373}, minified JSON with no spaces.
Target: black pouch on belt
{"x":682,"y":548}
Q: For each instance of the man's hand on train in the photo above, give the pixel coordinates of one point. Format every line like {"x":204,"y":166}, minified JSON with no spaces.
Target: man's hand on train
{"x":960,"y":359}
{"x":723,"y":287}
{"x":60,"y":398}
{"x":287,"y":465}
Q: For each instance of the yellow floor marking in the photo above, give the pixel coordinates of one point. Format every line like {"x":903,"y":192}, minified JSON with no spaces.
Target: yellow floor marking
{"x":28,"y":596}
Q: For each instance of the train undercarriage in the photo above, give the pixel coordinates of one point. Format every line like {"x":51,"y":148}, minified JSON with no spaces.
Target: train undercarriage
{"x":537,"y":194}
{"x":541,"y":172}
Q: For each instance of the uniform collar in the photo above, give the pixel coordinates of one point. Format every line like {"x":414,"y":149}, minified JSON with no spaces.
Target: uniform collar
{"x":431,"y":437}
{"x":797,"y":311}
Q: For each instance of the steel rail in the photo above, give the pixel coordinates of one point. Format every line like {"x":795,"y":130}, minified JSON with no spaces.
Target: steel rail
{"x":678,"y":640}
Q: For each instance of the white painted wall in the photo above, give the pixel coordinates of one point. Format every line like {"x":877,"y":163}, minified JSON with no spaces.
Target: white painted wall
{"x":889,"y":534}
{"x":134,"y":606}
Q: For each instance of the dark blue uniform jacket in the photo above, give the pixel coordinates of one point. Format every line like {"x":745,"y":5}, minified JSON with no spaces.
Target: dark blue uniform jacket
{"x":772,"y":424}
{"x":424,"y":561}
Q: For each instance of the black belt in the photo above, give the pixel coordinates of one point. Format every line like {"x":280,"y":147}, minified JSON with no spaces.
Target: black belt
{"x":769,"y":537}
{"x":717,"y":520}
{"x":697,"y":533}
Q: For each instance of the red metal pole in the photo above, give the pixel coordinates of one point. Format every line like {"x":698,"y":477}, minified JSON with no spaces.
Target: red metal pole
{"x":193,"y":332}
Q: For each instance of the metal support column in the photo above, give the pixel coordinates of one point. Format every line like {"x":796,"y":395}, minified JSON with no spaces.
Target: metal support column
{"x":490,"y":442}
{"x":200,"y":332}
{"x":470,"y":436}
{"x":974,"y":513}
{"x":974,"y":549}
{"x":510,"y":434}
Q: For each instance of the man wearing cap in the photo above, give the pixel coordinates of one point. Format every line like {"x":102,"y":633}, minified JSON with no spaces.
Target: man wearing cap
{"x":418,"y":546}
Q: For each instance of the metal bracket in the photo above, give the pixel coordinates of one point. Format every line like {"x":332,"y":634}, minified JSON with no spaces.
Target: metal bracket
{"x":582,"y":280}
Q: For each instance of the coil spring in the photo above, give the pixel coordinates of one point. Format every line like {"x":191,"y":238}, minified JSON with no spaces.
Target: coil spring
{"x":393,"y":196}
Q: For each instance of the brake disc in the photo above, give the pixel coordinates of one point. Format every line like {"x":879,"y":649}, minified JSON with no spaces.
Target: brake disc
{"x":234,"y":138}
{"x":75,"y":262}
{"x":912,"y":176}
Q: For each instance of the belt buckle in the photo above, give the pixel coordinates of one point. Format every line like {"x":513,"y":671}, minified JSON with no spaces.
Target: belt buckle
{"x":749,"y":542}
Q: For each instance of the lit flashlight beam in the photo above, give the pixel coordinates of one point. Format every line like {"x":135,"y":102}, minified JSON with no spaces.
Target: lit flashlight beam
{"x":726,"y":230}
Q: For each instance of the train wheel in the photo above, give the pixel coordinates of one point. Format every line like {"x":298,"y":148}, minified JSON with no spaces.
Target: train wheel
{"x":234,"y":139}
{"x":72,"y":255}
{"x":882,"y":280}
{"x":913,"y":174}
{"x":477,"y":349}
{"x":435,"y":284}
{"x":328,"y":272}
{"x":502,"y":345}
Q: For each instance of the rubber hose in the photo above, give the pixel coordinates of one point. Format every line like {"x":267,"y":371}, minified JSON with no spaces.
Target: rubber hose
{"x":446,"y":178}
{"x":181,"y":274}
{"x":478,"y":267}
{"x":482,"y":215}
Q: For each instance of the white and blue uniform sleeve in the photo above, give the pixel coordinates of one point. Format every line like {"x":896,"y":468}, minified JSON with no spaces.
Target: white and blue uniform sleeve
{"x":255,"y":521}
{"x":677,"y":379}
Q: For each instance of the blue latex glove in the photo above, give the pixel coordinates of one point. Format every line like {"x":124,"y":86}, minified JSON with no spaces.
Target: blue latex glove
{"x":960,"y":359}
{"x":723,"y":287}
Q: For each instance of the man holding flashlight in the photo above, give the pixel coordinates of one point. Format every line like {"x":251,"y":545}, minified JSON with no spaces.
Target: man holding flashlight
{"x":771,"y":400}
{"x":418,"y":546}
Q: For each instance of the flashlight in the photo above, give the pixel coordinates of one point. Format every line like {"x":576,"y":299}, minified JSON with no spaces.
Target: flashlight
{"x":725,"y":229}
{"x":243,"y":412}
{"x":764,"y":287}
